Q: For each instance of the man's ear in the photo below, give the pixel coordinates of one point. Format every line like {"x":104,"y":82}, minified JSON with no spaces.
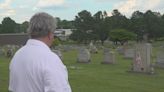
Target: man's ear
{"x":49,"y":35}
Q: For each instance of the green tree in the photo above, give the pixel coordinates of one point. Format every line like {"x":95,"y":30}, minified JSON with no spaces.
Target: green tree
{"x":162,"y":27}
{"x":0,"y":28}
{"x":24,"y":26}
{"x":84,"y":20}
{"x":56,"y":42}
{"x":117,"y":20}
{"x":137,"y":24}
{"x":121,"y":35}
{"x":152,"y":21}
{"x":83,"y":24}
{"x":58,"y":22}
{"x":8,"y":25}
{"x":78,"y":35}
{"x":65,"y":24}
{"x":99,"y":28}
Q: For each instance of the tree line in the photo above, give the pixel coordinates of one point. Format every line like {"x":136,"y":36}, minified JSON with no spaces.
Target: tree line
{"x":100,"y":27}
{"x":118,"y":27}
{"x":8,"y":25}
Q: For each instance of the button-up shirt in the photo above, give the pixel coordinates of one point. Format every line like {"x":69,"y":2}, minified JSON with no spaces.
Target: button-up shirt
{"x":35,"y":68}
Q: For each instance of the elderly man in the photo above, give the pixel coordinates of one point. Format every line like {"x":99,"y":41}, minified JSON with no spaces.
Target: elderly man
{"x":34,"y":67}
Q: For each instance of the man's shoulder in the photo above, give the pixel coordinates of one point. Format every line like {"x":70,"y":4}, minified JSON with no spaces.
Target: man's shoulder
{"x":53,"y":55}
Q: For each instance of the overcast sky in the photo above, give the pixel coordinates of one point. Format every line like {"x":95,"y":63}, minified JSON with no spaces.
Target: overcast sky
{"x":22,"y":10}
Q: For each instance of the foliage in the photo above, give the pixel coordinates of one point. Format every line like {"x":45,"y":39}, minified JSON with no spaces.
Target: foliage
{"x":148,"y":23}
{"x":24,"y":26}
{"x":153,"y":24}
{"x":99,"y":29}
{"x":64,"y":24}
{"x":137,"y":24}
{"x":96,"y":27}
{"x":121,"y":35}
{"x":78,"y":35}
{"x":117,"y":20}
{"x":84,"y":20}
{"x":8,"y":25}
{"x":83,"y":27}
{"x":56,"y":42}
{"x":0,"y":28}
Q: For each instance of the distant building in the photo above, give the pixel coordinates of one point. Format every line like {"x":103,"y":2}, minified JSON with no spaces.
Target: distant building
{"x":21,"y":38}
{"x":63,"y":34}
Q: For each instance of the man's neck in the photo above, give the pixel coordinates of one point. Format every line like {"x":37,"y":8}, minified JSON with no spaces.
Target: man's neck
{"x":44,"y":40}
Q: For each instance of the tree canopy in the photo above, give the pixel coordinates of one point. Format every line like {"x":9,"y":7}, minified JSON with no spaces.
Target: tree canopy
{"x":121,"y":35}
{"x":87,"y":27}
{"x":8,"y":25}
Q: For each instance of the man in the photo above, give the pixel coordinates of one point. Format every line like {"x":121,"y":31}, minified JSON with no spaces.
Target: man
{"x":34,"y":67}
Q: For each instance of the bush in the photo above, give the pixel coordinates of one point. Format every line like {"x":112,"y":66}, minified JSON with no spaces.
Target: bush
{"x":56,"y":42}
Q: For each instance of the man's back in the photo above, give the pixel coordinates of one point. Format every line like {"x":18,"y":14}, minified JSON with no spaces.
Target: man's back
{"x":31,"y":67}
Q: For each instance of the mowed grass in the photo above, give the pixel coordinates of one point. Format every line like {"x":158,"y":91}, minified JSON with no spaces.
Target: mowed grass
{"x":97,"y":77}
{"x":4,"y":72}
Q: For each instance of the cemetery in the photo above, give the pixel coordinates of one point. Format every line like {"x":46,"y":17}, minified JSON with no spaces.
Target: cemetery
{"x":105,"y":70}
{"x":107,"y":51}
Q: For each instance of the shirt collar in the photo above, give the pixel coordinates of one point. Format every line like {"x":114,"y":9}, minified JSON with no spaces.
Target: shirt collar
{"x":37,"y":43}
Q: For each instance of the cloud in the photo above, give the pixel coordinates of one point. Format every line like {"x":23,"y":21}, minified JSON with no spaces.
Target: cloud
{"x":49,"y":3}
{"x":108,"y":0}
{"x":5,"y":8}
{"x":8,"y":13}
{"x":127,"y":7}
{"x":5,"y":4}
{"x":23,"y":6}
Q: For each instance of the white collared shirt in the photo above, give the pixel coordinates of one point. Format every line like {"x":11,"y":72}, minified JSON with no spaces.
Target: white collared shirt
{"x":35,"y":68}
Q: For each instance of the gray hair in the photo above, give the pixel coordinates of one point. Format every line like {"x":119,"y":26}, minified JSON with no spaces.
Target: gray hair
{"x":41,"y":24}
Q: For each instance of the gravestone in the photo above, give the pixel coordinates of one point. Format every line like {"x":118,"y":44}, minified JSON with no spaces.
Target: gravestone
{"x":83,"y":56}
{"x":92,"y":48}
{"x":120,"y":50}
{"x":109,"y":57}
{"x":66,"y":48}
{"x":4,"y":51}
{"x":142,"y":59}
{"x":10,"y":52}
{"x":160,"y":60}
{"x":129,"y":53}
{"x":58,"y":52}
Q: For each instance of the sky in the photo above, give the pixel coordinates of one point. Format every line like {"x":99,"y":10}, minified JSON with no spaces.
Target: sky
{"x":22,"y":10}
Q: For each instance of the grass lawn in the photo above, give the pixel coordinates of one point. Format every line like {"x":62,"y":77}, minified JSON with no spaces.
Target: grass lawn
{"x":4,"y":63}
{"x":96,"y":77}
